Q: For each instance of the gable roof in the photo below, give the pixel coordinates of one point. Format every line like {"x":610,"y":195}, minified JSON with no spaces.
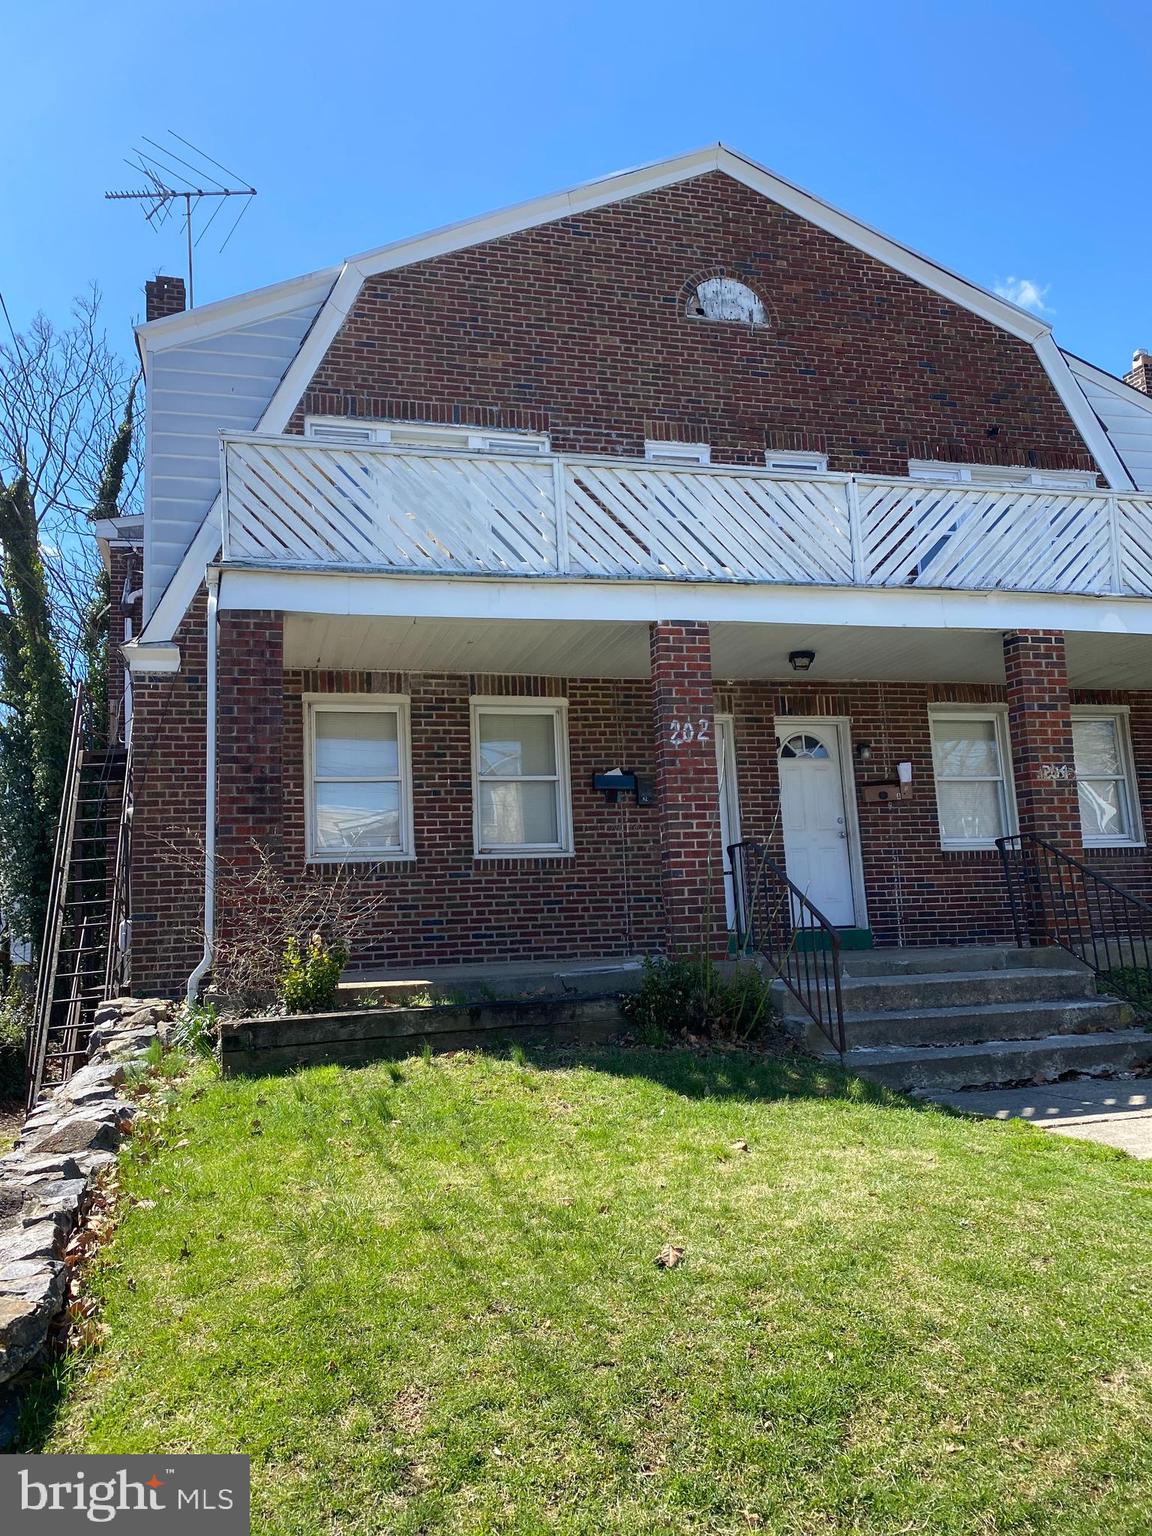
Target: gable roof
{"x":342,"y":293}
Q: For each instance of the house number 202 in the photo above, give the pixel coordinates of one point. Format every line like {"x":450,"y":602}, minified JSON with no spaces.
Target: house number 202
{"x":684,"y":731}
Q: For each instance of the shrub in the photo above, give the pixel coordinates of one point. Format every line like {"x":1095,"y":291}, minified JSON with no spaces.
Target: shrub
{"x":15,"y":1016}
{"x":194,"y":1029}
{"x":311,"y":974}
{"x":690,"y":996}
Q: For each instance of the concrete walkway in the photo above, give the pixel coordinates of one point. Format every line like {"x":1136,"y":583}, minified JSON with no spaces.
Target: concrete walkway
{"x":1115,"y":1111}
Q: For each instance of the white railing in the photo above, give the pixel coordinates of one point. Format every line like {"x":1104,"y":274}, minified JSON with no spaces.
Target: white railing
{"x":290,"y":501}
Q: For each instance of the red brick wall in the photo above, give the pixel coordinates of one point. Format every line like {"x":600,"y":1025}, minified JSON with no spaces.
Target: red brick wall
{"x":446,"y":906}
{"x":606,"y":900}
{"x":168,"y":816}
{"x":578,"y":327}
{"x":1130,"y":868}
{"x":917,"y":892}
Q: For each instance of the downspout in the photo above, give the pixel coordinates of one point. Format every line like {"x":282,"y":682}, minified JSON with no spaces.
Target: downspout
{"x":129,"y":596}
{"x":197,"y":976}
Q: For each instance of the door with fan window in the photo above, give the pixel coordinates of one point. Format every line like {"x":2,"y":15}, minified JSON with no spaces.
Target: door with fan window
{"x":817,"y":832}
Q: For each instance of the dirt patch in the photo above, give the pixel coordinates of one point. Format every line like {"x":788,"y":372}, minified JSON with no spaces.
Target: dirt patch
{"x":11,"y":1119}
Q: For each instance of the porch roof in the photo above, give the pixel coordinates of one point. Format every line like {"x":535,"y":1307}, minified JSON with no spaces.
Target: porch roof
{"x":619,"y":649}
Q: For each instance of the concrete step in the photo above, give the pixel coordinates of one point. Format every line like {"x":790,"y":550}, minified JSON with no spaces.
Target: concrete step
{"x":926,"y":1069}
{"x":1026,"y":1020}
{"x":966,"y":957}
{"x":964,"y":989}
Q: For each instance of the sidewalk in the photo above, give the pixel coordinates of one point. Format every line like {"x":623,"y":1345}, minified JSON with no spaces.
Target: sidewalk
{"x":1114,"y":1111}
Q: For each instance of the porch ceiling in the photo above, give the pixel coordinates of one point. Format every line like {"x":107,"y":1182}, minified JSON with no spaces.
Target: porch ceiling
{"x":617,"y":649}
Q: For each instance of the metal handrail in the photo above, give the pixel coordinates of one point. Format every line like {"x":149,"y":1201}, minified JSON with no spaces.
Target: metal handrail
{"x":776,"y":919}
{"x":49,"y":956}
{"x":1056,"y":898}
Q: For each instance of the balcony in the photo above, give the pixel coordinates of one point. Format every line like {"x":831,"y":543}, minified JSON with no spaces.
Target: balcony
{"x":292,"y":503}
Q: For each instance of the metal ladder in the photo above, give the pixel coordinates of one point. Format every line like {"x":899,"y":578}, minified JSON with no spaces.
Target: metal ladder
{"x":72,"y":976}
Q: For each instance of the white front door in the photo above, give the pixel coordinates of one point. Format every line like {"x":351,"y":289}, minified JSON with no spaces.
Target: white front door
{"x":729,"y":808}
{"x":816,"y":847}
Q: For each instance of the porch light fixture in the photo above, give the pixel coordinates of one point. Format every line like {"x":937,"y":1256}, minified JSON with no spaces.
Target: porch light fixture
{"x":863,"y":751}
{"x":800,"y":661}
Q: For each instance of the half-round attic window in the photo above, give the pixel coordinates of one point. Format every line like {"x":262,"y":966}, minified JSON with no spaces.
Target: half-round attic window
{"x":726,"y":300}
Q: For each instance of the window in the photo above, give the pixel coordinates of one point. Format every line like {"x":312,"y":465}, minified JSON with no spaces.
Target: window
{"x":677,"y":453}
{"x":785,"y":462}
{"x":1001,"y":474}
{"x":403,"y":434}
{"x":359,"y":796}
{"x":725,"y":299}
{"x":1105,"y":778}
{"x":970,"y":757}
{"x":520,"y":777}
{"x":803,"y":746}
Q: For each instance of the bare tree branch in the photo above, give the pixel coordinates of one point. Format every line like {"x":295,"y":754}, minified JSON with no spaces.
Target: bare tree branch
{"x":63,"y":391}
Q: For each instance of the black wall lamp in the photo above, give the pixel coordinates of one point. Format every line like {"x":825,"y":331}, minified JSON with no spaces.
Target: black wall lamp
{"x":863,"y":751}
{"x":800,"y":661}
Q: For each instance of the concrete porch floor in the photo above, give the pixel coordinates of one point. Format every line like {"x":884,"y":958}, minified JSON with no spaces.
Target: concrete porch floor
{"x":1114,"y":1111}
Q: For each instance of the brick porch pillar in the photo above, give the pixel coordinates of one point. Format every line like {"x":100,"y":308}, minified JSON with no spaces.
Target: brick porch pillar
{"x":1043,"y":763}
{"x":249,"y":740}
{"x":1040,"y":724}
{"x":692,"y":872}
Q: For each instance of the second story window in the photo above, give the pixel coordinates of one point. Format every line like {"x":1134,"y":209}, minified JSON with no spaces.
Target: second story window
{"x":945,"y":472}
{"x":404,"y":434}
{"x":677,"y":453}
{"x":787,"y":462}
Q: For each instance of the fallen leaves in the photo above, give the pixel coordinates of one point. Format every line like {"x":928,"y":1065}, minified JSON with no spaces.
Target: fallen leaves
{"x":670,"y":1256}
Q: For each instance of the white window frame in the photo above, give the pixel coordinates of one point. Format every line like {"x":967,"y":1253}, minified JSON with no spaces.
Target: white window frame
{"x":998,"y":715}
{"x":405,"y":434}
{"x":368,"y":703}
{"x":1121,"y":714}
{"x":789,"y":461}
{"x":557,"y":709}
{"x":945,"y":472}
{"x":677,"y":453}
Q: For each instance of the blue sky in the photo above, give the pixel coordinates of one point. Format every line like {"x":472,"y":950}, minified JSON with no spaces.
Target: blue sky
{"x":1009,"y":140}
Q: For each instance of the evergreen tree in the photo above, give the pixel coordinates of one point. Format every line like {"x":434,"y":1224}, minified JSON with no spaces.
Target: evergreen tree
{"x":36,"y":693}
{"x":34,"y":726}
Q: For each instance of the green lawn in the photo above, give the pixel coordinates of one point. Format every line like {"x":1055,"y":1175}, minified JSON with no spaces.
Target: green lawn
{"x":423,"y":1298}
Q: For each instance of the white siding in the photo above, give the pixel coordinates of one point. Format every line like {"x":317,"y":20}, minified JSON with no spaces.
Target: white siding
{"x":1126,"y":415}
{"x":196,"y":391}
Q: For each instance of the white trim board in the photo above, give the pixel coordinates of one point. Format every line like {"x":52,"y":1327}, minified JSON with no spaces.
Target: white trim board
{"x":556,"y":598}
{"x":173,"y":604}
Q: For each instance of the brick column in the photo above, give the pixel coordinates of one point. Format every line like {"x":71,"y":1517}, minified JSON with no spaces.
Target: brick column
{"x":1040,"y":724}
{"x":249,"y":737}
{"x":692,"y":872}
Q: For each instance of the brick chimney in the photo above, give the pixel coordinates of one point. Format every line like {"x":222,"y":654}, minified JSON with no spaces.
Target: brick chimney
{"x":1141,"y":376}
{"x":165,"y":296}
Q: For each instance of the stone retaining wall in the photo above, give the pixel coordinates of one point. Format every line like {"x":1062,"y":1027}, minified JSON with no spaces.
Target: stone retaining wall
{"x":46,"y":1180}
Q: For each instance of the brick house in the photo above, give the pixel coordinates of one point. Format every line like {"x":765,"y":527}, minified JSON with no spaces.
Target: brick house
{"x":683,"y":473}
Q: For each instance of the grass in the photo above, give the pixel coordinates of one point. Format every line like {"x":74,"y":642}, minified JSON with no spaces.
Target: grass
{"x":423,"y":1298}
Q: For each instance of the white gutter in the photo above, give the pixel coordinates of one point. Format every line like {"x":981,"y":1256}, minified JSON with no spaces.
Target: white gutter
{"x":193,"y":989}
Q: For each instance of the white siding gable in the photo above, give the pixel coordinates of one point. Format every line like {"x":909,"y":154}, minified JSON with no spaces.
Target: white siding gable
{"x":221,"y":382}
{"x":1126,"y":415}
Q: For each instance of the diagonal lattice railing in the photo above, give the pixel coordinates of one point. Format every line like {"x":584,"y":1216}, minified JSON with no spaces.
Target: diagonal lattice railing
{"x":293,"y":501}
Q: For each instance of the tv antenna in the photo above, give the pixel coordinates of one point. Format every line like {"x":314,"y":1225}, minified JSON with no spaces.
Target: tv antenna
{"x":167,"y":186}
